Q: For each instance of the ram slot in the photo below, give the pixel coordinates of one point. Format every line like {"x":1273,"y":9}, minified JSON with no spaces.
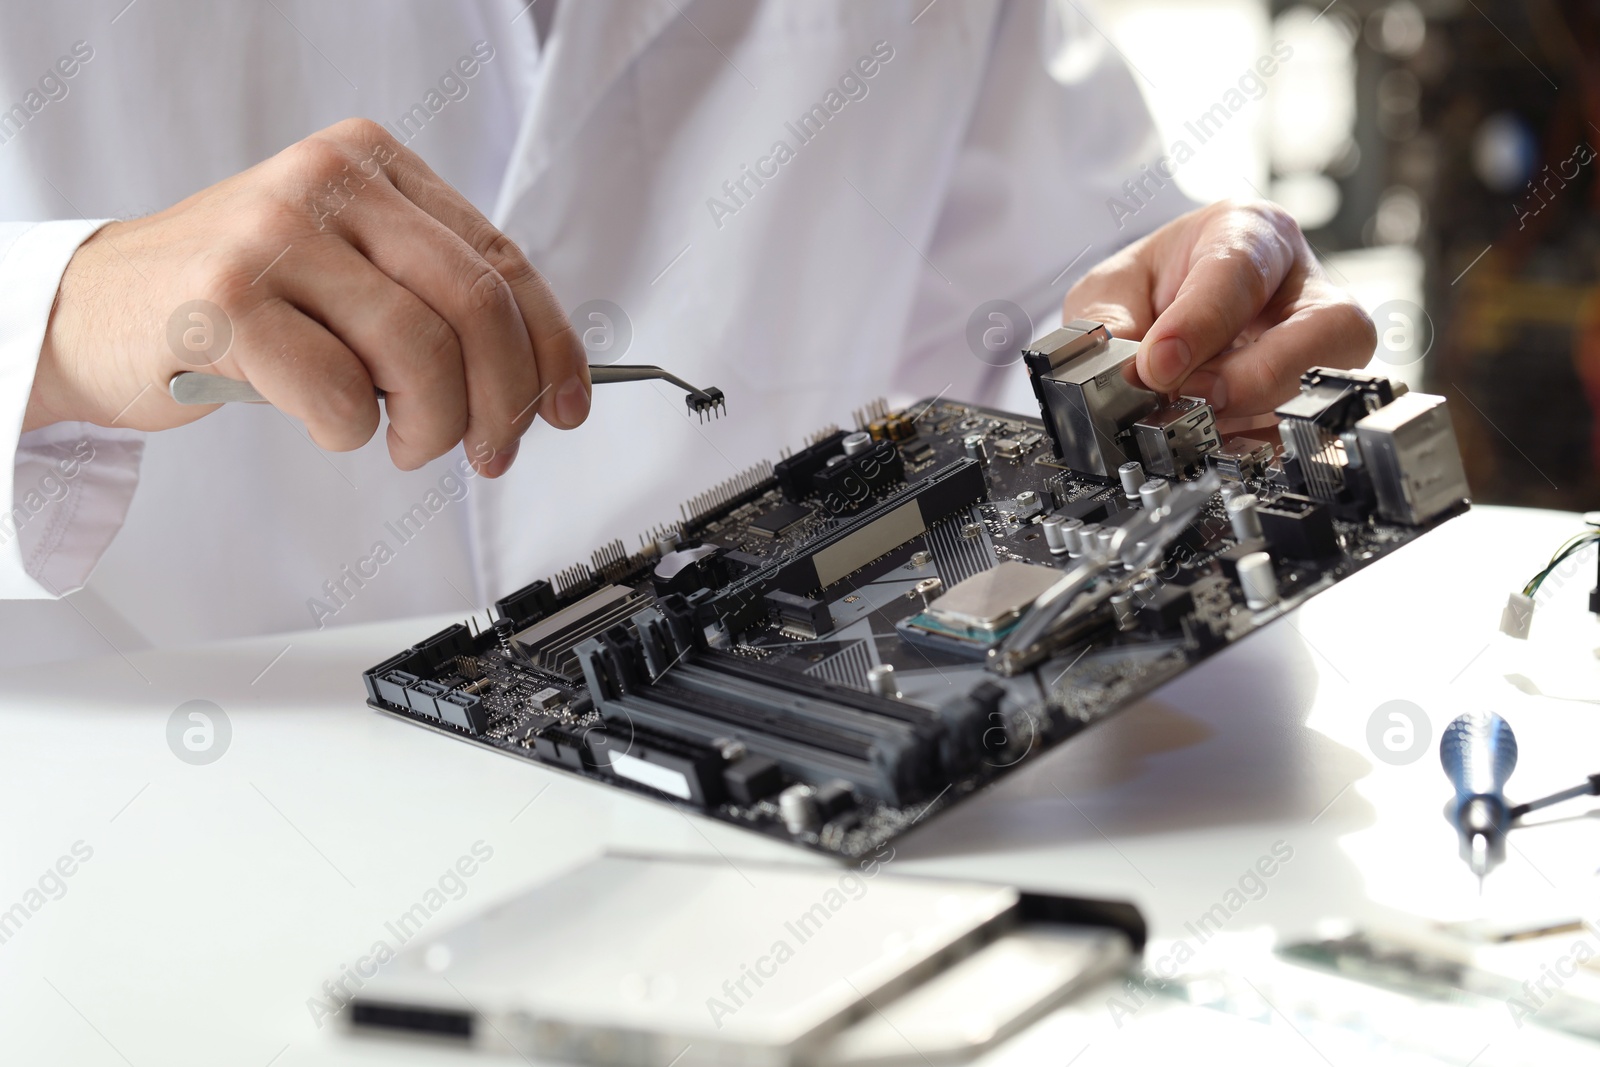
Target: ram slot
{"x":879,"y":767}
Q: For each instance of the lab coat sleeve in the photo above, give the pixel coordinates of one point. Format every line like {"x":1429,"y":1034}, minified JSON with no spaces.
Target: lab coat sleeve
{"x":1036,"y":194}
{"x":65,"y":488}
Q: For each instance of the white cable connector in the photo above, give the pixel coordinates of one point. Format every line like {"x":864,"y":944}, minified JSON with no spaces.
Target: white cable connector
{"x":1517,"y":617}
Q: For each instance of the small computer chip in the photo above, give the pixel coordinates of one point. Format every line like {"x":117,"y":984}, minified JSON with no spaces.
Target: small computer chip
{"x":779,"y":521}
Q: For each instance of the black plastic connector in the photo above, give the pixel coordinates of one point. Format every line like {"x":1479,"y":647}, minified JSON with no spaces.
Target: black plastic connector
{"x":1297,"y":527}
{"x":527,"y":605}
{"x":795,"y":473}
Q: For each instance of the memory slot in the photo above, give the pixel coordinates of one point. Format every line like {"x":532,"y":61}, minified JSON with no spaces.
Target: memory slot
{"x":881,"y":768}
{"x":728,"y":665}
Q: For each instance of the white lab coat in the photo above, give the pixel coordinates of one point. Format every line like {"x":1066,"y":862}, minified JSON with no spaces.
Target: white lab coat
{"x":974,"y":163}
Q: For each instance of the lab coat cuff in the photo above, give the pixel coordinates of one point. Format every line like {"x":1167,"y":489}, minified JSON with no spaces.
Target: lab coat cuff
{"x":64,"y":489}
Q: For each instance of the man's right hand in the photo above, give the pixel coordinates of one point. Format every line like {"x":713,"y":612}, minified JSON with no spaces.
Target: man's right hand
{"x":340,"y":264}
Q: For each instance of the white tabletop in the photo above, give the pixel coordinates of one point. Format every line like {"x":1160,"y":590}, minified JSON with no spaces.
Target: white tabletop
{"x":218,"y":898}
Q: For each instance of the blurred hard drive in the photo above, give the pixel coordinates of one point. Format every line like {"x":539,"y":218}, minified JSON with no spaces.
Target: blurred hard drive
{"x":646,"y":960}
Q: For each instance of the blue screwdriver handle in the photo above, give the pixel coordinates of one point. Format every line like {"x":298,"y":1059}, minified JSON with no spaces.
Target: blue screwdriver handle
{"x":1479,"y":752}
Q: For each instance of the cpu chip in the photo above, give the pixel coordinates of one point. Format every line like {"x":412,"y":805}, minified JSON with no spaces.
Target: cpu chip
{"x":990,"y":601}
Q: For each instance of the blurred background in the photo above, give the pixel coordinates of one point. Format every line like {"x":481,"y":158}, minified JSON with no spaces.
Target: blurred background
{"x":1439,"y":155}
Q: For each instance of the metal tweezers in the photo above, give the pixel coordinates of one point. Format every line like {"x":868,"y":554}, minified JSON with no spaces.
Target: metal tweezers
{"x":194,"y":387}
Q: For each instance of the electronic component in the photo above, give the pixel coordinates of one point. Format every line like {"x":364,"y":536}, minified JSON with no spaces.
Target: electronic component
{"x":1313,"y":424}
{"x":847,"y":548}
{"x":1089,"y":509}
{"x":1131,"y":474}
{"x":549,"y":642}
{"x":1154,"y":493}
{"x":794,"y":474}
{"x":879,"y":643}
{"x":1298,"y":527}
{"x":778,"y":521}
{"x":798,"y":806}
{"x":546,"y":698}
{"x":1244,"y":518}
{"x":464,"y":711}
{"x":850,"y":481}
{"x":1089,"y":395}
{"x":982,"y":609}
{"x":1056,"y":533}
{"x":751,"y":779}
{"x":1175,"y":438}
{"x":800,"y":614}
{"x":683,"y":570}
{"x":1258,"y":581}
{"x":1411,"y":455}
{"x":1240,"y":458}
{"x":881,"y":680}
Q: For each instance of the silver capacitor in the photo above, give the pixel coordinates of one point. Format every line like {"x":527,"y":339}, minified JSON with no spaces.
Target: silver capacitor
{"x":1154,"y":493}
{"x":1132,"y":475}
{"x":1103,"y":540}
{"x":1244,"y":517}
{"x":1088,"y":539}
{"x":1071,"y":532}
{"x":1122,"y":607}
{"x":881,"y":680}
{"x":1257,"y":579}
{"x":798,"y":807}
{"x":859,"y":441}
{"x":1055,"y":538}
{"x":976,"y":447}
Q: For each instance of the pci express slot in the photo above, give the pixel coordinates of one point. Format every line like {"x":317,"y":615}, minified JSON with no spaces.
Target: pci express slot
{"x":847,"y":548}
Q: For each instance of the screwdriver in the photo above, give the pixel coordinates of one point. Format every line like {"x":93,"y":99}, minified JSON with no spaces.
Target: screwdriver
{"x":193,"y":387}
{"x":1479,"y":752}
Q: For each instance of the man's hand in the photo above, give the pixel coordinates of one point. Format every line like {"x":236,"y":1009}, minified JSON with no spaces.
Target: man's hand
{"x":1230,"y":305}
{"x":340,"y":264}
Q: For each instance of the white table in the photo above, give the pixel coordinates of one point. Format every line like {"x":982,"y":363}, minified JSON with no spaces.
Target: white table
{"x":219,"y":898}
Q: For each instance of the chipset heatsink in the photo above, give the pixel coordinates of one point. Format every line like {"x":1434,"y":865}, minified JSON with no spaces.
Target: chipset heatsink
{"x":982,"y":609}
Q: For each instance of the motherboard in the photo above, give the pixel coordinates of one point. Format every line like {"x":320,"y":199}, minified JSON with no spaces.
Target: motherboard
{"x":839,"y":644}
